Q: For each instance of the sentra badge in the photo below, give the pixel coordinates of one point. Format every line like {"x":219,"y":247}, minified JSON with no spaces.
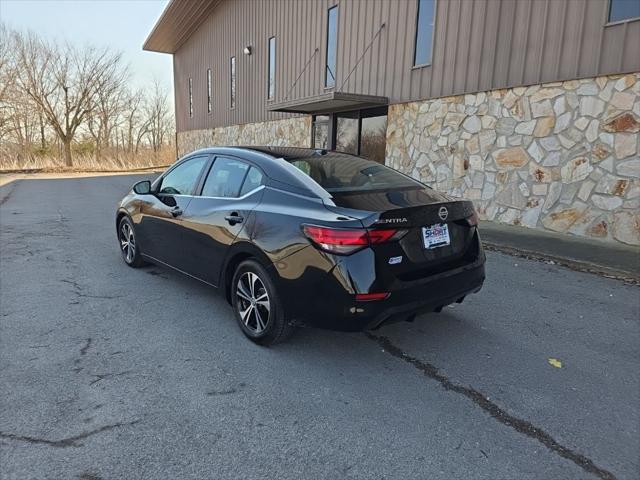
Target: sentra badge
{"x":392,"y":220}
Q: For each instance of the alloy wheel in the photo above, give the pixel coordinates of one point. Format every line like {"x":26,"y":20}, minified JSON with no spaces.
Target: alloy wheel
{"x":252,"y":302}
{"x":127,"y":242}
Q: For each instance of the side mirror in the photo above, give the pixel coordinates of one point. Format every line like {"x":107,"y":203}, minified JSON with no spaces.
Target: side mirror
{"x":143,"y":187}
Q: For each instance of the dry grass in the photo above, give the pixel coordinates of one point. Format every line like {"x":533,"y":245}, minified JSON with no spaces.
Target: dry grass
{"x":87,"y":163}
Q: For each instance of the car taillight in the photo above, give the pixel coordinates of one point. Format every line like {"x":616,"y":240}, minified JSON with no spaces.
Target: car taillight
{"x":370,"y":297}
{"x":344,"y":241}
{"x":381,"y":236}
{"x":473,"y":219}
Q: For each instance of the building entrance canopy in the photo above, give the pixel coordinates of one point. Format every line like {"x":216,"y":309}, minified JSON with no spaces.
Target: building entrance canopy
{"x":329,"y":102}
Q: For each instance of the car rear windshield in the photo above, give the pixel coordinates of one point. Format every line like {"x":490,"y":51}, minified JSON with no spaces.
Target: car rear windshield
{"x":345,"y":173}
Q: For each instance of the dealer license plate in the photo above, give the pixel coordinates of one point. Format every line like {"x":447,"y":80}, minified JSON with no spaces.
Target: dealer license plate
{"x":436,"y":235}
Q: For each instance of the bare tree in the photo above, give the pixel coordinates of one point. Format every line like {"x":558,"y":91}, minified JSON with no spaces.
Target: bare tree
{"x":158,"y":115}
{"x":110,"y":106}
{"x":7,"y":80}
{"x":20,"y":118}
{"x":57,"y":100}
{"x":7,"y":65}
{"x":63,"y":82}
{"x":136,"y":124}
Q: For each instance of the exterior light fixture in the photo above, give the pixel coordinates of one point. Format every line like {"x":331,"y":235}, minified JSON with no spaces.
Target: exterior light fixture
{"x":247,"y":50}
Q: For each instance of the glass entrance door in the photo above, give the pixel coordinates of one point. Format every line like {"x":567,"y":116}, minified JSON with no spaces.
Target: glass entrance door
{"x":373,"y":137}
{"x":347,"y":132}
{"x":320,"y":131}
{"x":359,"y":132}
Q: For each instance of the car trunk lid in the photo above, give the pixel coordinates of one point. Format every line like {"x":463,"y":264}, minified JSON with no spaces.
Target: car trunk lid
{"x":413,"y":210}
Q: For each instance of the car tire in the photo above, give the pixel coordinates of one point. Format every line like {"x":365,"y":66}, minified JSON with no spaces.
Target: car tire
{"x":254,"y":297}
{"x":129,"y":247}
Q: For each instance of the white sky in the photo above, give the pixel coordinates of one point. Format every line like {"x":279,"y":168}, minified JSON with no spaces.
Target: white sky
{"x":121,"y":24}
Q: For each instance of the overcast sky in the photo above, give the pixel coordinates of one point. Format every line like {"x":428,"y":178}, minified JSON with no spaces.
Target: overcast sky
{"x":122,"y":24}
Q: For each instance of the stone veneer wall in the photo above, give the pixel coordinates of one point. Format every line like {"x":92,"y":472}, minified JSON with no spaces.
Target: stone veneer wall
{"x":561,"y":156}
{"x":294,"y":132}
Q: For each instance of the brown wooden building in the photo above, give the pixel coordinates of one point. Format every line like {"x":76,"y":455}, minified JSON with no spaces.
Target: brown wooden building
{"x":519,"y":78}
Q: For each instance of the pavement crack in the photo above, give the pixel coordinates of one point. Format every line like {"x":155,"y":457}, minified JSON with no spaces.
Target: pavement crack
{"x":107,"y":297}
{"x":78,"y":291}
{"x":227,"y":391}
{"x":521,"y":426}
{"x":89,"y":476}
{"x":222,"y":392}
{"x":10,"y":189}
{"x":65,"y":442}
{"x":73,"y":283}
{"x":102,"y":376}
{"x":83,"y":350}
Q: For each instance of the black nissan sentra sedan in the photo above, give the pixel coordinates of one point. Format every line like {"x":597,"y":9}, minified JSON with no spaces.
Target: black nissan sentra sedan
{"x":296,"y":236}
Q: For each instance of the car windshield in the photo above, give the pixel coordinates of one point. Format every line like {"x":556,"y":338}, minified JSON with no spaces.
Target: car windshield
{"x":336,"y":172}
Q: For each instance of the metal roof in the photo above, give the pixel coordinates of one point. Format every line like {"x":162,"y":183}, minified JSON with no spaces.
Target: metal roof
{"x":176,"y":24}
{"x":329,"y":102}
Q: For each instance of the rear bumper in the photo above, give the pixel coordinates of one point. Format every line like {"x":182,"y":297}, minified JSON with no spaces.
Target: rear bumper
{"x":448,"y":290}
{"x":341,"y":312}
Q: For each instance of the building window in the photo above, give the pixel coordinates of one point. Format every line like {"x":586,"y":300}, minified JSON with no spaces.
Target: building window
{"x":424,"y":32}
{"x":623,"y":10}
{"x":190,"y":97}
{"x":233,"y":82}
{"x":271,"y":87}
{"x":320,"y":132}
{"x":208,"y":90}
{"x":332,"y":47}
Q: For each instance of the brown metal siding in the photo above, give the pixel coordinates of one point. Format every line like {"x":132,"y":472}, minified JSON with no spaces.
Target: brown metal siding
{"x":478,"y":45}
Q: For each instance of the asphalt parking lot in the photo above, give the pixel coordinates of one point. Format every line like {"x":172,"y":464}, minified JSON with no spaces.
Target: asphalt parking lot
{"x":108,"y":372}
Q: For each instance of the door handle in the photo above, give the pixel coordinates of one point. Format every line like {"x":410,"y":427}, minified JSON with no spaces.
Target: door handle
{"x":234,"y":218}
{"x":176,"y":211}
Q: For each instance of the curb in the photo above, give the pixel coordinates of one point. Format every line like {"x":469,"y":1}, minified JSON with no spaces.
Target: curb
{"x":577,"y":265}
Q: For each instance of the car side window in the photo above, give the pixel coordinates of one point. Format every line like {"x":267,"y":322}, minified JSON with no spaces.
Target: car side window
{"x":182,"y":179}
{"x":225,"y":178}
{"x":253,"y":180}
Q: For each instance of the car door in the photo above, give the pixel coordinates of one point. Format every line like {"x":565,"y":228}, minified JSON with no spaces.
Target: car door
{"x":161,"y":222}
{"x":215,"y":218}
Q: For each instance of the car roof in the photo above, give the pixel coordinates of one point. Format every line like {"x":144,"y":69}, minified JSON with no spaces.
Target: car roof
{"x":287,"y":153}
